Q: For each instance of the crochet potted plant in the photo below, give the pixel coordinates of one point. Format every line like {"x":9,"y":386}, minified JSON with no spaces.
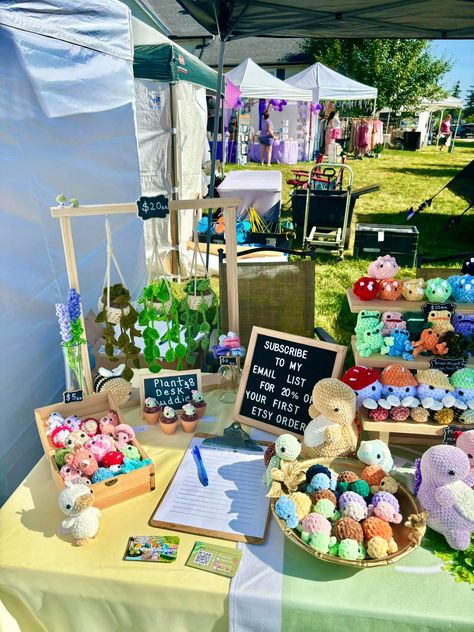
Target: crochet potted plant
{"x":159,"y":305}
{"x":120,"y":312}
{"x":200,"y":315}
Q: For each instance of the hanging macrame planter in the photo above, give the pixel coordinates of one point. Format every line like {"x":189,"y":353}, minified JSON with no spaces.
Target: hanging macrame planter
{"x":115,"y":309}
{"x":160,"y":305}
{"x":200,"y":309}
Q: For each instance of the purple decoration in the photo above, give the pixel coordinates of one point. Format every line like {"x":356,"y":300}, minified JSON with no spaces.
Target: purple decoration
{"x":318,"y":107}
{"x":73,"y":304}
{"x":283,"y":102}
{"x":273,"y":102}
{"x":64,"y":322}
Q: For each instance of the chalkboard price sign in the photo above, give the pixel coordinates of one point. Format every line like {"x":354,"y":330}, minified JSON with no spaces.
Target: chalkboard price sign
{"x":451,"y":433}
{"x":73,"y":396}
{"x":170,"y":389}
{"x":278,"y":378}
{"x":156,"y":206}
{"x":448,"y":365}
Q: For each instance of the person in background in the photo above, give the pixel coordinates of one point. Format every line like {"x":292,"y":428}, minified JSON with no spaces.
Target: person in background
{"x":445,"y":132}
{"x":266,"y":138}
{"x":333,"y":130}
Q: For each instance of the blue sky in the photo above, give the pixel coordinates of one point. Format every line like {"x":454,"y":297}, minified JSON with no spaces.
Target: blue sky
{"x":461,"y":52}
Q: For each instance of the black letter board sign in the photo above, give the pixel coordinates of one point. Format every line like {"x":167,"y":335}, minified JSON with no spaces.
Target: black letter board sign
{"x":170,"y":389}
{"x":278,"y":378}
{"x":152,"y":206}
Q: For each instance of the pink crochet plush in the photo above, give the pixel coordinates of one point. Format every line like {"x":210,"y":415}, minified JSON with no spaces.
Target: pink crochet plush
{"x":386,"y":512}
{"x":383,"y":268}
{"x":314,"y":523}
{"x":123,"y":434}
{"x":444,"y":494}
{"x":82,"y":460}
{"x":465,"y":442}
{"x":99,"y":446}
{"x":108,"y":422}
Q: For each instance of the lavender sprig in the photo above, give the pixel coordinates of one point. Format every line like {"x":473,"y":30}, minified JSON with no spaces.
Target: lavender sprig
{"x":64,"y":322}
{"x":73,"y":304}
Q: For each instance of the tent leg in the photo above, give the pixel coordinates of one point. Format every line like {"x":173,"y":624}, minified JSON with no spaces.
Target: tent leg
{"x":174,"y":221}
{"x":215,"y":133}
{"x":451,"y":147}
{"x":439,"y":127}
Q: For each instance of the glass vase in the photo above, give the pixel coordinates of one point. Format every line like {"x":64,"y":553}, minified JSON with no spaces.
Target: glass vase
{"x":73,"y":367}
{"x":229,"y":380}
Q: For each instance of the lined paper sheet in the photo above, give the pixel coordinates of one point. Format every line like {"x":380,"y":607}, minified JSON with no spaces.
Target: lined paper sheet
{"x":234,"y":502}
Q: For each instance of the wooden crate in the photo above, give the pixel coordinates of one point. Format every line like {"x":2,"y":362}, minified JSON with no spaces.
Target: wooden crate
{"x":111,"y":491}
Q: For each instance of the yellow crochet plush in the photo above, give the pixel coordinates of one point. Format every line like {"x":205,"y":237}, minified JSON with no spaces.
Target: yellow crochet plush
{"x":303,"y":504}
{"x":334,"y":410}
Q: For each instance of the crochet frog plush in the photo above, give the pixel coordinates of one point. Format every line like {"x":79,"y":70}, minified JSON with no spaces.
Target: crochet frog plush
{"x":391,"y":321}
{"x":371,"y":341}
{"x":367,"y":319}
{"x":383,"y":267}
{"x":82,"y":520}
{"x":441,"y":321}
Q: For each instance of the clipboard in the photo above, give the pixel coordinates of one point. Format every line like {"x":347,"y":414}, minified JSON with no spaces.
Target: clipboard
{"x":229,"y":459}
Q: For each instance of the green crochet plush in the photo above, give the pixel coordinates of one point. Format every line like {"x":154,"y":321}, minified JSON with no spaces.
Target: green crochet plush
{"x":351,"y":550}
{"x":322,"y":542}
{"x":60,"y":456}
{"x":326,"y":508}
{"x":360,"y":487}
{"x":366,"y":320}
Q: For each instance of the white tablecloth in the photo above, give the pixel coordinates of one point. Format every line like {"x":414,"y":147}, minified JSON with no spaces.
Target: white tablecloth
{"x":260,"y":188}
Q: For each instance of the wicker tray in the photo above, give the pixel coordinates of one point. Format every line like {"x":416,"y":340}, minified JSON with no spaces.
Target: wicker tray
{"x":407,"y":538}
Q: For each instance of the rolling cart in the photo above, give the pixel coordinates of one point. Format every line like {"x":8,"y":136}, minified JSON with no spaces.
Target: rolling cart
{"x":331,"y":216}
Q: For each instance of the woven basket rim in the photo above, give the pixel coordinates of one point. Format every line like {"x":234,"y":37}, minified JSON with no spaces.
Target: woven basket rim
{"x":291,"y":534}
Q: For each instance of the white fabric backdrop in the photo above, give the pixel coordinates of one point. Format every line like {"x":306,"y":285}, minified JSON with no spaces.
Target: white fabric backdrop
{"x":66,"y":126}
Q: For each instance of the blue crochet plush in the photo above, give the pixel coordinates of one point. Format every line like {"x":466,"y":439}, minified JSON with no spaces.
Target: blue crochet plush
{"x":286,"y":509}
{"x":401,"y":344}
{"x":463,"y":289}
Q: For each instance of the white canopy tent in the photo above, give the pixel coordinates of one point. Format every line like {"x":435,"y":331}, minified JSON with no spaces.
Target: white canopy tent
{"x":328,"y":85}
{"x":256,"y":83}
{"x":449,"y":103}
{"x":171,"y":169}
{"x":67,"y":125}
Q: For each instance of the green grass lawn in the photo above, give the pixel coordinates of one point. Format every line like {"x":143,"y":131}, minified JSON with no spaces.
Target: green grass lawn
{"x":406,"y":178}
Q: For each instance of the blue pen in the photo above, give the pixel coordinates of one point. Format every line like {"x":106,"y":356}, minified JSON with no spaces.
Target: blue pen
{"x":202,"y":474}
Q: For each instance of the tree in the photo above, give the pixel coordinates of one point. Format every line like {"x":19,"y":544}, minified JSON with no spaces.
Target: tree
{"x":404,"y":71}
{"x":469,"y":105}
{"x":456,"y":91}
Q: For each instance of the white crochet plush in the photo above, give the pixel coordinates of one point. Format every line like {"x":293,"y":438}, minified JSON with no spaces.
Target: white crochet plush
{"x":83,"y":520}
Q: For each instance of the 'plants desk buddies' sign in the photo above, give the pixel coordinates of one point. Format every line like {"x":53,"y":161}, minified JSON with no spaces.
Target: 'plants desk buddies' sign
{"x":278,"y":378}
{"x":170,"y":389}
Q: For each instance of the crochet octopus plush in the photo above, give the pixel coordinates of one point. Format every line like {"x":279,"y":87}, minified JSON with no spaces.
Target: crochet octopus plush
{"x":441,"y":490}
{"x":364,"y":382}
{"x":385,"y":267}
{"x":463,"y":382}
{"x":429,"y":341}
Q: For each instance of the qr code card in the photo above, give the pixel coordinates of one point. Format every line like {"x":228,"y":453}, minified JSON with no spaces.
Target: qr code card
{"x":221,"y":560}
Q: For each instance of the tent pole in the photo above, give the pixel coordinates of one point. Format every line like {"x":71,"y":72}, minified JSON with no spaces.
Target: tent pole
{"x":174,"y":222}
{"x":215,"y":133}
{"x":451,"y":148}
{"x":223,"y":139}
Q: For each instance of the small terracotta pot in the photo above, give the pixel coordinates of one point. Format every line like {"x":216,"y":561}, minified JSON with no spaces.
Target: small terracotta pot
{"x":200,"y":410}
{"x":189,"y":426}
{"x":151,"y":418}
{"x":169,"y":429}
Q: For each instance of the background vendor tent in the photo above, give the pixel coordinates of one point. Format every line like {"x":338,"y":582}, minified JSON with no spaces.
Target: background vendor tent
{"x":66,"y":126}
{"x":327,"y":84}
{"x":171,"y":110}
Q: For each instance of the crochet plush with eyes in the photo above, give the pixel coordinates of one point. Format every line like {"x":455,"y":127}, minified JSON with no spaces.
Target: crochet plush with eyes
{"x":462,"y":381}
{"x":82,"y":520}
{"x":398,"y":381}
{"x":76,"y":439}
{"x":463,"y":323}
{"x":364,"y":382}
{"x":429,"y":341}
{"x":367,"y":320}
{"x":440,"y":321}
{"x":463,"y":290}
{"x":334,"y":403}
{"x":366,"y":288}
{"x":444,"y":494}
{"x":391,"y":321}
{"x":401,"y":344}
{"x":437,"y":290}
{"x":413,"y":289}
{"x":371,"y":341}
{"x":375,"y":452}
{"x":390,"y":289}
{"x":383,"y":267}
